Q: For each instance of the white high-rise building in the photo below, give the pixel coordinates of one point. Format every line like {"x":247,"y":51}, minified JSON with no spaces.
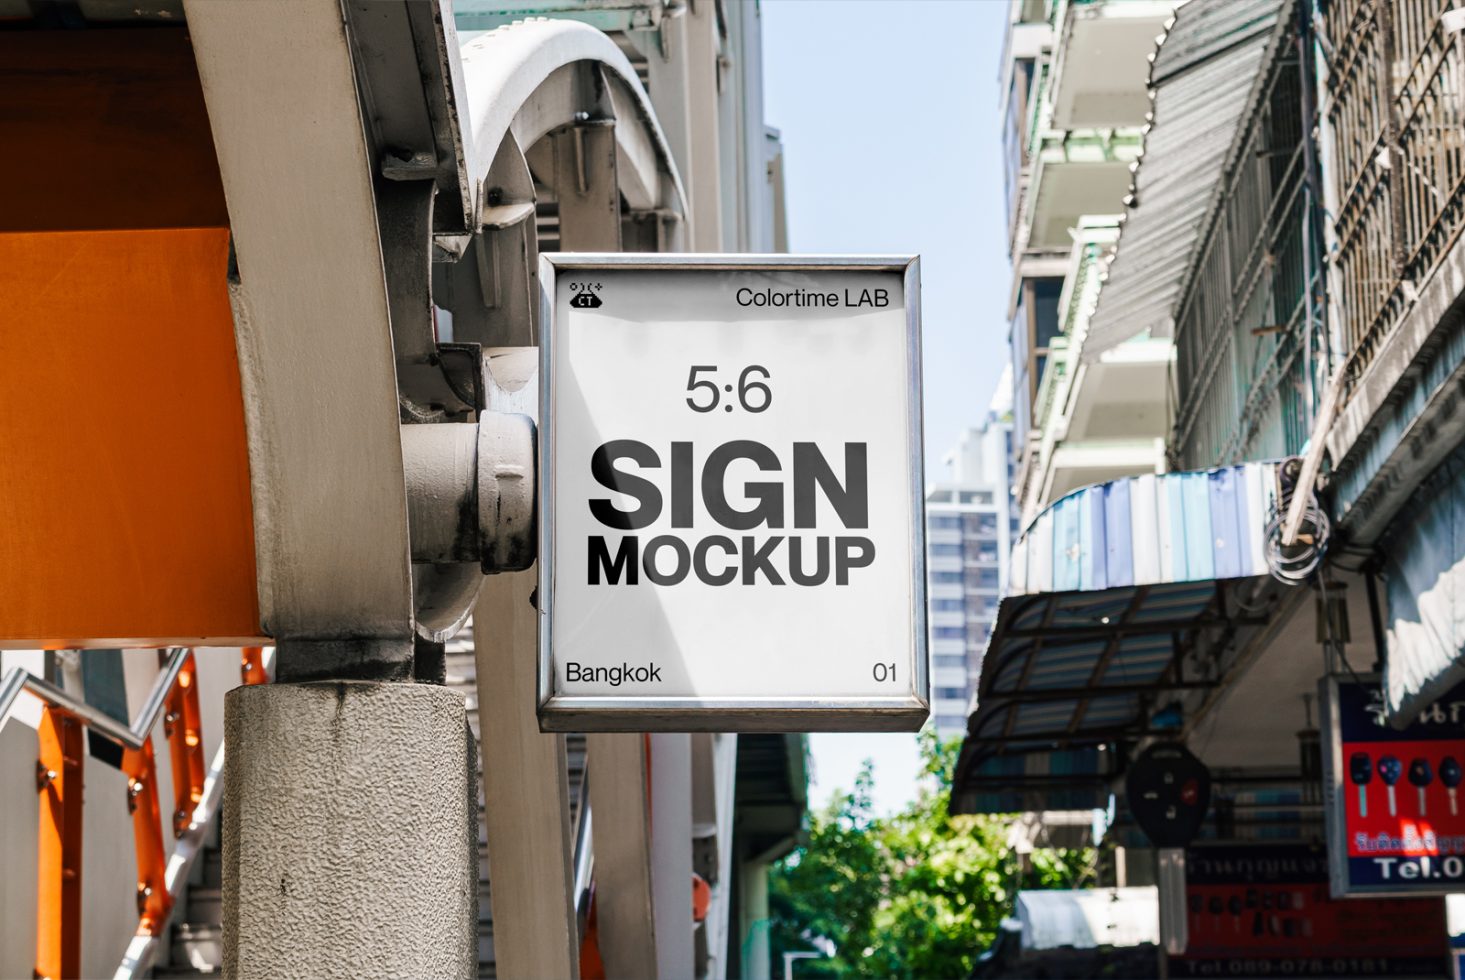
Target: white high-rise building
{"x":969,"y":530}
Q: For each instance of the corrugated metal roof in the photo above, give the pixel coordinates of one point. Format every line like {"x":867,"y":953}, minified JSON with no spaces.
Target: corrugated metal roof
{"x":1148,"y":530}
{"x":1104,"y":585}
{"x":1203,"y":77}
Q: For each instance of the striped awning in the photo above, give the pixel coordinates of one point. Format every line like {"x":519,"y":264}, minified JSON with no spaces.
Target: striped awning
{"x":1149,"y":530}
{"x":1110,"y":586}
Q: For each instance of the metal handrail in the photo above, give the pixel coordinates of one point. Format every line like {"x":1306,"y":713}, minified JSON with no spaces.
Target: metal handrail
{"x":18,"y":679}
{"x":582,"y":861}
{"x":173,"y":699}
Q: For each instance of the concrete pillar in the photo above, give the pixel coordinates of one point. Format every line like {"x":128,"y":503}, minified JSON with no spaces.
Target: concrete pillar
{"x":757,"y":960}
{"x":620,"y":805}
{"x":350,"y":838}
{"x":671,"y":852}
{"x":525,"y":792}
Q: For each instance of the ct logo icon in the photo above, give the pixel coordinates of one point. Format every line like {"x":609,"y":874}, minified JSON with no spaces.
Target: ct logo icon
{"x":584,"y":297}
{"x":730,"y":519}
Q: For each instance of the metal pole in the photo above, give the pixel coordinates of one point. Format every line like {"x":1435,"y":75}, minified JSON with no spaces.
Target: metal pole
{"x":788,"y":962}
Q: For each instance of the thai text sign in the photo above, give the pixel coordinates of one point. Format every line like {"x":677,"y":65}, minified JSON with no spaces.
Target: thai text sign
{"x":1395,"y":820}
{"x":730,"y":460}
{"x":1265,"y":910}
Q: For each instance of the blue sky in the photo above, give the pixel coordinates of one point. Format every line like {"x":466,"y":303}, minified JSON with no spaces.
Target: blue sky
{"x":889,"y":118}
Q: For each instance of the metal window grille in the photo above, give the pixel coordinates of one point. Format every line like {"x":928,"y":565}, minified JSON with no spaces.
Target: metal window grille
{"x":1241,"y":331}
{"x":1395,"y":118}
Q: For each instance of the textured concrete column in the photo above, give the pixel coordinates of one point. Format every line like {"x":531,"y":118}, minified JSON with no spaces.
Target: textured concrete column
{"x":350,"y":839}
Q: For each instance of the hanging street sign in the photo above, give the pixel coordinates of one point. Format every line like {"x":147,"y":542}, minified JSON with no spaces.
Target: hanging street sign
{"x":1396,"y":824}
{"x":731,"y":519}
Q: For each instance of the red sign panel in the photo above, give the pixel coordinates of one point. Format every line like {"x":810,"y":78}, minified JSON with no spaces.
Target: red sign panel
{"x":1265,"y":910}
{"x":1396,"y":824}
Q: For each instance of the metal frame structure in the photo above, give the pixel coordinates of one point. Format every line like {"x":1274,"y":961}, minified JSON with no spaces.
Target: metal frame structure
{"x":1130,"y":603}
{"x":1335,"y":784}
{"x":558,"y":713}
{"x":1001,"y":692}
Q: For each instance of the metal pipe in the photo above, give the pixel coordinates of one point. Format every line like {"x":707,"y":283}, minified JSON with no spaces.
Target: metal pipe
{"x":10,"y":687}
{"x":158,"y":697}
{"x":81,"y":711}
{"x":133,"y":737}
{"x":584,"y":860}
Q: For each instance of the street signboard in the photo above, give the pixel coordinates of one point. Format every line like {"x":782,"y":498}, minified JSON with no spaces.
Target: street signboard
{"x":1396,"y":824}
{"x":1264,"y":910}
{"x":731,"y":530}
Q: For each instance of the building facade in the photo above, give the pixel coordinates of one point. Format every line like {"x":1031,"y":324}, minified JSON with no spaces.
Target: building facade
{"x":1288,"y":230}
{"x":969,"y":531}
{"x":1073,"y":118}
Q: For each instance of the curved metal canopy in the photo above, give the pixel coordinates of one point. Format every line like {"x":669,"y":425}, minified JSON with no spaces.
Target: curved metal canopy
{"x":516,"y":82}
{"x":1113,"y":589}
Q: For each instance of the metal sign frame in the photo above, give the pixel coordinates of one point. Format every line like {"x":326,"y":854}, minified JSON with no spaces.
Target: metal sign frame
{"x":636,"y":713}
{"x":1335,"y":785}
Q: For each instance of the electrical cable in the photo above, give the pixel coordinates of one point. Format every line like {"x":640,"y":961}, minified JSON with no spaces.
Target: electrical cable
{"x":1295,"y":565}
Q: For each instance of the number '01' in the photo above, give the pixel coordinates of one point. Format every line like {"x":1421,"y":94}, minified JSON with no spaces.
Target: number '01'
{"x":753,"y":395}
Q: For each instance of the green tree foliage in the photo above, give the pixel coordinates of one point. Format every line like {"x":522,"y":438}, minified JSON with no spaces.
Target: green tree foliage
{"x":916,"y":894}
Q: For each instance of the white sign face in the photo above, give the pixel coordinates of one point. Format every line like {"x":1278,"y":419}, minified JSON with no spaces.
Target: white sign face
{"x":730,"y":472}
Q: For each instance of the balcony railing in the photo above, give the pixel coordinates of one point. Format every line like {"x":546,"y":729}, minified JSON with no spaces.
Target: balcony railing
{"x":1395,"y":117}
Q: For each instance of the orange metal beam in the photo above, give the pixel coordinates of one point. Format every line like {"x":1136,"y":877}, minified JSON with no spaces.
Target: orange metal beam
{"x":131,"y":392}
{"x":252,"y":666}
{"x":58,"y":888}
{"x":182,"y":724}
{"x":153,"y":900}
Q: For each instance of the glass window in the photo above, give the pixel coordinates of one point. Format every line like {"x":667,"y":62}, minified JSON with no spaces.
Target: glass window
{"x":950,"y":660}
{"x":982,"y":549}
{"x":946,"y":577}
{"x":946,"y":605}
{"x":982,"y":524}
{"x":948,"y":632}
{"x":945,"y":551}
{"x":981,"y":607}
{"x":951,"y":692}
{"x":944,"y":522}
{"x":1047,"y":323}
